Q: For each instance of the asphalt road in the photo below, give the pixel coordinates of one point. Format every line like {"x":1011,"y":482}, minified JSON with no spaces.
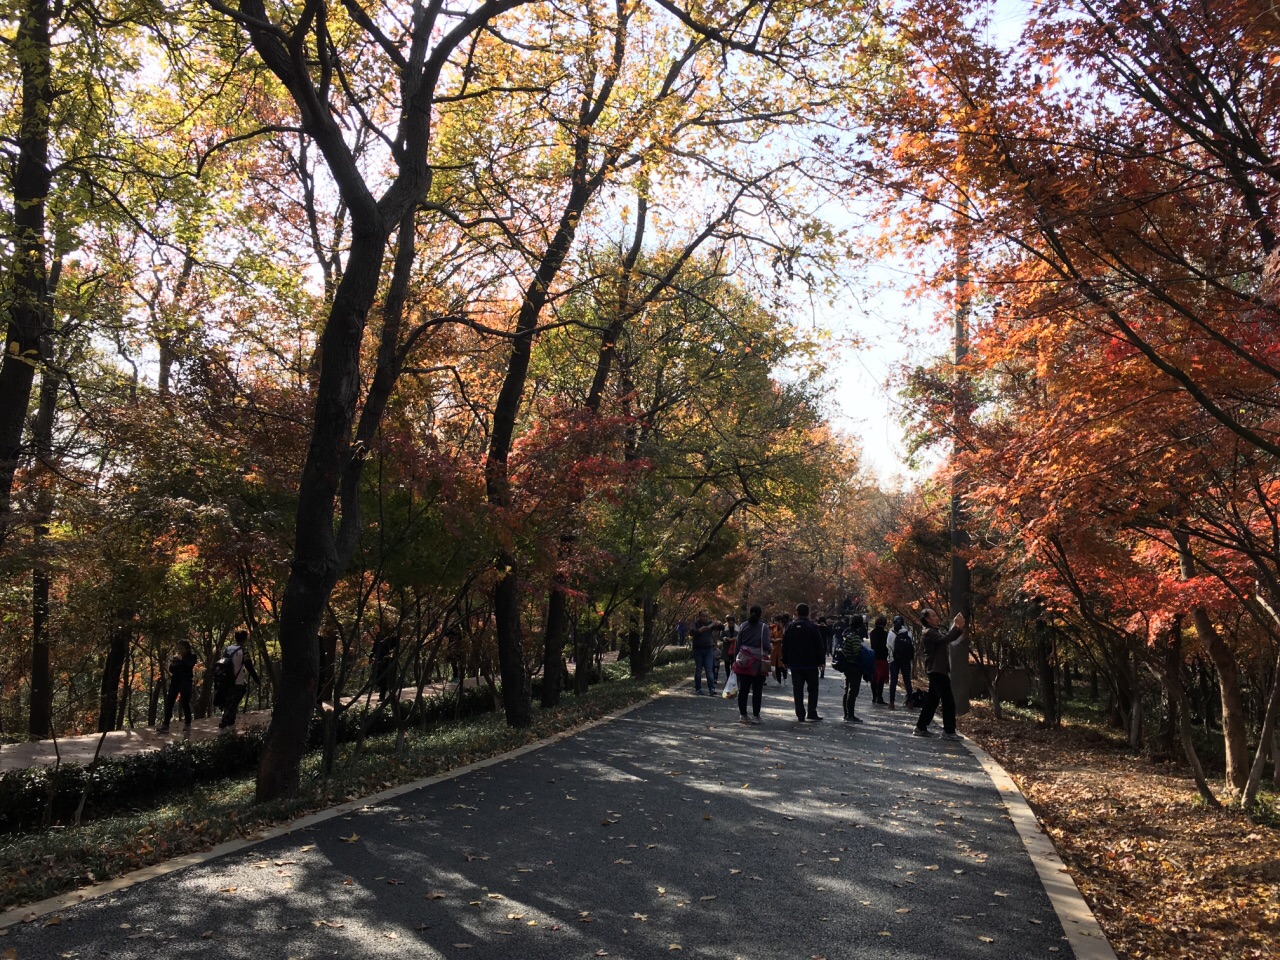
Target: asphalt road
{"x":673,"y":831}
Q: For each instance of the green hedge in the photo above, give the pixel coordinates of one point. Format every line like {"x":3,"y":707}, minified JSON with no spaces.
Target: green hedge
{"x":39,"y":797}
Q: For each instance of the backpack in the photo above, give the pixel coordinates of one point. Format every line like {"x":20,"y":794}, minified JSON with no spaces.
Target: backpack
{"x":225,"y":671}
{"x":903,"y":647}
{"x":867,"y":661}
{"x":838,"y":662}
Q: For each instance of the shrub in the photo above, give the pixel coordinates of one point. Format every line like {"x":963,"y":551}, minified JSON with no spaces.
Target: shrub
{"x":40,"y":797}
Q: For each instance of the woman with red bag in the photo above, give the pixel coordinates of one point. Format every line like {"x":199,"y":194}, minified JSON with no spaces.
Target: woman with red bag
{"x":751,"y":663}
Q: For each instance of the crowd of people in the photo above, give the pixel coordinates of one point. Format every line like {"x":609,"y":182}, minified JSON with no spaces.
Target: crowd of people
{"x":800,"y":649}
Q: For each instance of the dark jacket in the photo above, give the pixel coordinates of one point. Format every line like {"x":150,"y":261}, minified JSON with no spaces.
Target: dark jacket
{"x":181,"y":669}
{"x":802,"y":645}
{"x":937,"y":648}
{"x":880,"y":643}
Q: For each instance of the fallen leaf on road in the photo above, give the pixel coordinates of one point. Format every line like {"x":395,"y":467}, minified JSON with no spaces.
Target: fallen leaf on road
{"x":704,"y":899}
{"x":662,"y":892}
{"x":602,"y":953}
{"x":334,"y":924}
{"x":903,"y":910}
{"x":227,"y":890}
{"x":435,"y":896}
{"x":308,"y":848}
{"x":934,"y":867}
{"x":674,"y":946}
{"x":999,"y":894}
{"x":639,"y":916}
{"x":733,"y":870}
{"x":496,"y":896}
{"x":515,"y":916}
{"x":987,"y":939}
{"x":52,"y":921}
{"x":463,"y":946}
{"x":351,"y":839}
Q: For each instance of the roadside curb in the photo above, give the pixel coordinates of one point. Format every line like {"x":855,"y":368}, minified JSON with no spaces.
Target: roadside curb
{"x":43,"y":908}
{"x":1084,"y":934}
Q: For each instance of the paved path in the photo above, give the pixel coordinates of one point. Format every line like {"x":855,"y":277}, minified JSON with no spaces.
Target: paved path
{"x":672,"y":825}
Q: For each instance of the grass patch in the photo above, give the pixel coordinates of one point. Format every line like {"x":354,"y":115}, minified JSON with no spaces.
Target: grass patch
{"x":36,"y":866}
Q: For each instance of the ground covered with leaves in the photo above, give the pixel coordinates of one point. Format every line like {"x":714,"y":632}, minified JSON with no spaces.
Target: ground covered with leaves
{"x":1166,"y":876}
{"x":39,"y":865}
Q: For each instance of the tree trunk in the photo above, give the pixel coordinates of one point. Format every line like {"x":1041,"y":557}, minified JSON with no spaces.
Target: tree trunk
{"x":506,"y":615}
{"x":1171,"y":678}
{"x":40,"y":717}
{"x":29,"y":303}
{"x":109,"y":703}
{"x":1135,"y":706}
{"x":41,"y":713}
{"x":1048,"y":675}
{"x":1235,"y":735}
{"x":557,"y":621}
{"x":317,"y":562}
{"x":1265,"y":745}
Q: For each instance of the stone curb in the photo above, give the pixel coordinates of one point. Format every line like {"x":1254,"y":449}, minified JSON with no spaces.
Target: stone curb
{"x":43,"y":908}
{"x":1084,"y":935}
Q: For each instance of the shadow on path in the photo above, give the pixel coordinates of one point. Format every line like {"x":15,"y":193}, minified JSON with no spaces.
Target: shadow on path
{"x":673,"y":825}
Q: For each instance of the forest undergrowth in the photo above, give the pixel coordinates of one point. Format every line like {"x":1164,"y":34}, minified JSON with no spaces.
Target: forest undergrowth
{"x":1166,"y":876}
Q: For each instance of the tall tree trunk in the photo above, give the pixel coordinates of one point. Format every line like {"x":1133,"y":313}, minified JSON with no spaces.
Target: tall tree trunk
{"x":557,"y":622}
{"x":1266,"y":736}
{"x":1170,"y":675}
{"x":1235,"y":734}
{"x":117,"y":652}
{"x":41,"y":713}
{"x":29,"y":304}
{"x":1048,"y":687}
{"x":318,"y":555}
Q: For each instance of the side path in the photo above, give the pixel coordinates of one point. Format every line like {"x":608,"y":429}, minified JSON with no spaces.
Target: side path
{"x":671,"y":828}
{"x":118,"y":743}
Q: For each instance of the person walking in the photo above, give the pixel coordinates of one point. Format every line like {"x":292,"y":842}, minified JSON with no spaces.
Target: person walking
{"x":181,"y":676}
{"x":704,"y":653}
{"x":385,"y":653}
{"x":904,"y":654}
{"x":234,"y":670}
{"x":728,"y":634}
{"x":937,"y":661}
{"x":804,"y":653}
{"x":776,"y":630}
{"x":751,"y":663}
{"x":858,"y":666}
{"x":880,"y":651}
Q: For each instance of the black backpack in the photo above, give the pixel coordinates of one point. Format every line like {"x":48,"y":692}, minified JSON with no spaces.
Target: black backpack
{"x":224,"y":675}
{"x":903,"y":647}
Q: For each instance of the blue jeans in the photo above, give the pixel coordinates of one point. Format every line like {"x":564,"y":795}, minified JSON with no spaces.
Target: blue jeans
{"x":704,"y":660}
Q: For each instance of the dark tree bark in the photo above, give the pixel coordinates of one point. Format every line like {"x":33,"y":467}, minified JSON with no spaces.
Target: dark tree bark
{"x":1234,"y":727}
{"x":557,"y":626}
{"x":29,"y":306}
{"x":40,"y":719}
{"x":110,"y":703}
{"x":1048,"y":675}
